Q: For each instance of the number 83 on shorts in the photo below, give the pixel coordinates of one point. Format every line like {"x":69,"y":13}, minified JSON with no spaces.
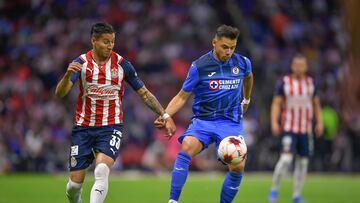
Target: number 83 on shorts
{"x":87,"y":140}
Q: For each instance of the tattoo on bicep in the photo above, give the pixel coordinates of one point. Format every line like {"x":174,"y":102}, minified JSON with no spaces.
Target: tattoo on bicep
{"x":151,"y":101}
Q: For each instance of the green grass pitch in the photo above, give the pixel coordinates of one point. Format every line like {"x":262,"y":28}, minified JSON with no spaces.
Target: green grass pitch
{"x":33,"y":188}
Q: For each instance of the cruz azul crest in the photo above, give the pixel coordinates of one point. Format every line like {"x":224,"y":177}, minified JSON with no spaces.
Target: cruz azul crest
{"x":235,"y":70}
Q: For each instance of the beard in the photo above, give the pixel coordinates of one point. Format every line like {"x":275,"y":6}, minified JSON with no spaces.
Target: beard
{"x":106,"y":54}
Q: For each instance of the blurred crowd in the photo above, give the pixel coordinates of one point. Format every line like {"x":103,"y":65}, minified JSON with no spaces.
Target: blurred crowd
{"x":39,"y":38}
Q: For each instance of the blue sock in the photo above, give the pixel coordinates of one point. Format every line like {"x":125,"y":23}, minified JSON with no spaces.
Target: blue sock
{"x":230,"y":186}
{"x":179,"y":174}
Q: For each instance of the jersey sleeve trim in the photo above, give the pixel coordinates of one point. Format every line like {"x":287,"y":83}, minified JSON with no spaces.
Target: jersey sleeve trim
{"x":76,"y":75}
{"x":279,"y":88}
{"x":131,"y":76}
{"x":248,"y":66}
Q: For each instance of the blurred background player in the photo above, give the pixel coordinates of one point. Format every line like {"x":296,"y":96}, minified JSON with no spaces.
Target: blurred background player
{"x":295,"y":103}
{"x":221,"y":81}
{"x":97,"y":133}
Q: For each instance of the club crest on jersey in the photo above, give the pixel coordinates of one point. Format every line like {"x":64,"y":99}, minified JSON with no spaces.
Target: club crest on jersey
{"x":214,"y":84}
{"x":114,"y":73}
{"x":235,"y":70}
{"x":73,"y":162}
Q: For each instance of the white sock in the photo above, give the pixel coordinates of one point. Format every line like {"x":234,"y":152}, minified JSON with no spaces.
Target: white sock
{"x":301,"y":167}
{"x":280,"y":169}
{"x":73,"y":191}
{"x":100,"y":187}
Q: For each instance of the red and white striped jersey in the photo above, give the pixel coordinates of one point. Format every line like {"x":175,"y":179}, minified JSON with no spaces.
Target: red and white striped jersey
{"x":297,"y":108}
{"x":101,"y":89}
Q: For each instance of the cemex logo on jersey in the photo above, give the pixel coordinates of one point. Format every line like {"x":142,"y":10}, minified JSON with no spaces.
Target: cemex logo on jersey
{"x":98,"y":92}
{"x":214,"y":84}
{"x":224,"y":84}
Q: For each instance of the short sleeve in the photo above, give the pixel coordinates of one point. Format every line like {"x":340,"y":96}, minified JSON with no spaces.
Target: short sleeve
{"x":315,"y":89}
{"x":131,"y":76}
{"x":279,"y":88}
{"x":76,"y":75}
{"x":192,"y":79}
{"x":248,"y":67}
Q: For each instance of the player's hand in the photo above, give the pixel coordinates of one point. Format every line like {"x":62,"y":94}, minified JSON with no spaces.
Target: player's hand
{"x":319,"y":129}
{"x":74,"y":67}
{"x":159,"y":123}
{"x":168,"y":124}
{"x":275,"y":129}
{"x":245,"y":104}
{"x":170,"y":127}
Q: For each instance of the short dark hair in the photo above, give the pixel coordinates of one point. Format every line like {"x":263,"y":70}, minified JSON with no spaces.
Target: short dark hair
{"x":227,"y":31}
{"x":299,"y":56}
{"x":101,"y":28}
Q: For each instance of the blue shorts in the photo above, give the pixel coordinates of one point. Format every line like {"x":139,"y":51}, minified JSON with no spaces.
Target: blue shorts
{"x":296,"y":143}
{"x":209,"y":132}
{"x":85,"y":141}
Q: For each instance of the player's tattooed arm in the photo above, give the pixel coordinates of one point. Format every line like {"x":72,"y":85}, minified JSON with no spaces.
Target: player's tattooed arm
{"x":150,"y":100}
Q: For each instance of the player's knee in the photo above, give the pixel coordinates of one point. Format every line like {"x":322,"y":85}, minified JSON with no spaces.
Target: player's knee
{"x":191,"y":146}
{"x":101,"y":171}
{"x":304,"y":161}
{"x":286,"y":158}
{"x":78,"y":176}
{"x":238,"y":168}
{"x":187,"y":148}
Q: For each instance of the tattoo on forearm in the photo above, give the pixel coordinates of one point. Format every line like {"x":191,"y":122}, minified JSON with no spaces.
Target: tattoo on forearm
{"x":151,"y":101}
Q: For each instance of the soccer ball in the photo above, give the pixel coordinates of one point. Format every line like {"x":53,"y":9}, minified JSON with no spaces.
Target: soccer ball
{"x":232,"y":150}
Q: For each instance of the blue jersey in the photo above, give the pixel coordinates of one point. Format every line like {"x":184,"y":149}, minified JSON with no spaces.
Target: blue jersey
{"x":217,"y":86}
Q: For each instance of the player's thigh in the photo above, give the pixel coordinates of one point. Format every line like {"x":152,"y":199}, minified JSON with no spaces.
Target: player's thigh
{"x":303,"y":145}
{"x":108,"y":141}
{"x":81,"y":154}
{"x":240,"y":167}
{"x":199,"y":136}
{"x":77,"y":176}
{"x":289,"y":142}
{"x":191,"y":145}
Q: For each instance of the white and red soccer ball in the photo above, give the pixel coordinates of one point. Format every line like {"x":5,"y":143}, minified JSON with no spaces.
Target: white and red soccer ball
{"x":232,"y":150}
